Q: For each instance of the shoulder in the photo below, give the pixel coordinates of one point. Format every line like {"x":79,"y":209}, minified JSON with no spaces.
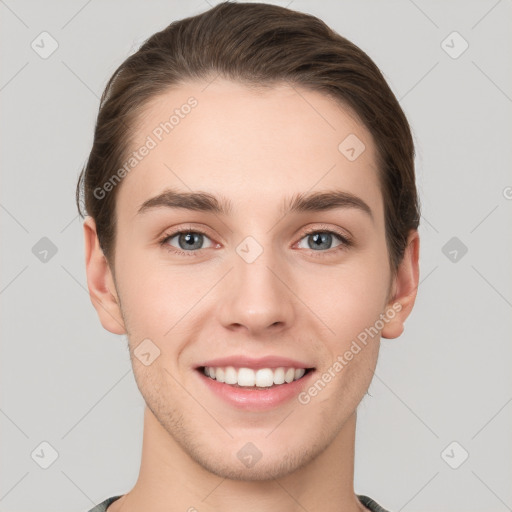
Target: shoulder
{"x":372,"y":505}
{"x":102,"y":507}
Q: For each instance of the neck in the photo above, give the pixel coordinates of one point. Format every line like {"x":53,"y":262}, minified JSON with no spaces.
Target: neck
{"x":170,"y":480}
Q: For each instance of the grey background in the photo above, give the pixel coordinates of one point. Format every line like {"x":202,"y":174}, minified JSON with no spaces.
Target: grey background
{"x":66,"y":381}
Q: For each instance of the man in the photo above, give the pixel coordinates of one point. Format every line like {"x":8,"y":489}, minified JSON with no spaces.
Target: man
{"x":252,"y":229}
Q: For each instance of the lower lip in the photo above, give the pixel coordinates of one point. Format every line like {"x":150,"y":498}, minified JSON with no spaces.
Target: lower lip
{"x":256,"y":399}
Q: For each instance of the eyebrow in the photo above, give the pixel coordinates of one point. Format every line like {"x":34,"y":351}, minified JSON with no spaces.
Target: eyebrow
{"x":298,"y":203}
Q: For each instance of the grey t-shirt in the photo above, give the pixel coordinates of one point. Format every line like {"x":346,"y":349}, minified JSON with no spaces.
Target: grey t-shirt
{"x":365,"y":500}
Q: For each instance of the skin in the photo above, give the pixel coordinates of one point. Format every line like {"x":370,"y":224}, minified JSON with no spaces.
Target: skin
{"x":254,"y":147}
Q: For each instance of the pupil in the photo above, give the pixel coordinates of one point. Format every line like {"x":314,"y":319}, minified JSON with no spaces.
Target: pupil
{"x":321,"y":238}
{"x":191,"y":239}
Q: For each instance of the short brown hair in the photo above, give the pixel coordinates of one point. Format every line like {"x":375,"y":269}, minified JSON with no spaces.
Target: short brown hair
{"x":258,"y":44}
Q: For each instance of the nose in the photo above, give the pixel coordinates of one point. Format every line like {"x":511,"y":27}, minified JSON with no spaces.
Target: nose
{"x":256,"y":297}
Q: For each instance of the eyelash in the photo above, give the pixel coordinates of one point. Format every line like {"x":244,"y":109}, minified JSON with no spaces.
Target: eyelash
{"x":345,"y":241}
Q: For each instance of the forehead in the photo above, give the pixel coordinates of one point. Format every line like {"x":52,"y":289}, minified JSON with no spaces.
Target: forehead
{"x":253,"y":145}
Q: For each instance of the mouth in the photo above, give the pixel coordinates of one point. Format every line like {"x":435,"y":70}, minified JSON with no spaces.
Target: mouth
{"x":254,"y":383}
{"x":256,"y":379}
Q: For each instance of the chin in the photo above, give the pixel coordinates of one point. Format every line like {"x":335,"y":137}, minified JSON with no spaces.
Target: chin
{"x":261,"y":471}
{"x":248,"y":463}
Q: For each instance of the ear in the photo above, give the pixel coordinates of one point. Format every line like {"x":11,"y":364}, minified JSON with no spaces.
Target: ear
{"x":404,"y":288}
{"x":100,"y":282}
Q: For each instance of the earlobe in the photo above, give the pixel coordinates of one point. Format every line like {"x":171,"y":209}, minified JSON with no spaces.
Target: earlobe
{"x":405,"y":288}
{"x":100,"y":282}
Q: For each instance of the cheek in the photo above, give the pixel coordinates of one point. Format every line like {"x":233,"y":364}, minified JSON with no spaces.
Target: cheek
{"x":155,"y":295}
{"x":350,"y":309}
{"x":348,"y":298}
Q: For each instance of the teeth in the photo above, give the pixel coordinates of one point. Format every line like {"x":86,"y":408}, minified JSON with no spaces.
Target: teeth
{"x":230,"y":376}
{"x":279,"y":376}
{"x":247,"y":377}
{"x":264,"y":378}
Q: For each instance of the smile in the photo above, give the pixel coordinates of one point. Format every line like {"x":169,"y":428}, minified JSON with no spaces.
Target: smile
{"x":254,"y":378}
{"x":258,"y":389}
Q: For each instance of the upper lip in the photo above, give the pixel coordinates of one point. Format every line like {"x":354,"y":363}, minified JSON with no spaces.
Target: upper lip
{"x":243,"y":361}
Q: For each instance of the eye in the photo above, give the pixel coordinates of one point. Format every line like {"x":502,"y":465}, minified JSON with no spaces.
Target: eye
{"x":187,"y":241}
{"x":322,"y":241}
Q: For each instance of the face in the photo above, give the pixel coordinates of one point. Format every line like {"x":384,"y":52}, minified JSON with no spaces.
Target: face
{"x":252,"y":278}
